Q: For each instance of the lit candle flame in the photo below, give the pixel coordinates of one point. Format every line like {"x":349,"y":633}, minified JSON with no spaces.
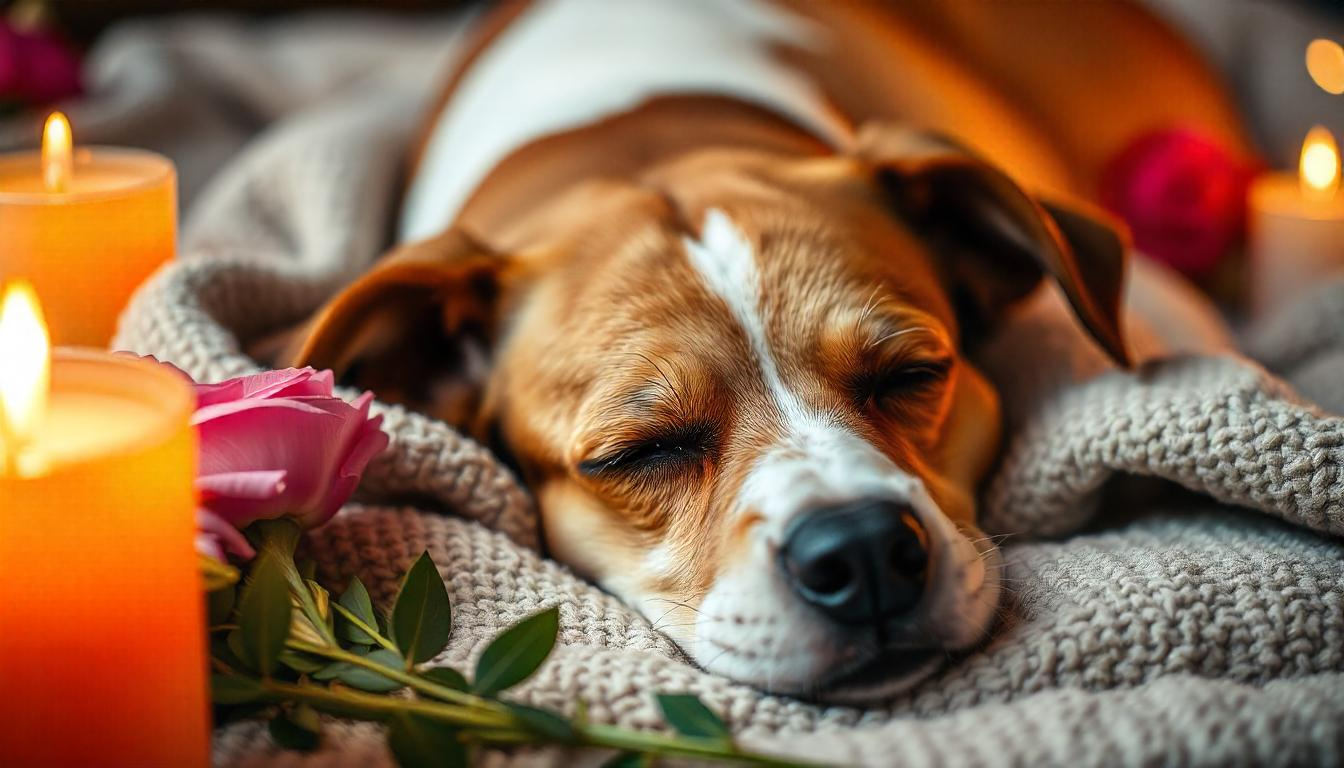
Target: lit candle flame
{"x":1320,"y":164}
{"x":25,"y":377}
{"x":57,"y":153}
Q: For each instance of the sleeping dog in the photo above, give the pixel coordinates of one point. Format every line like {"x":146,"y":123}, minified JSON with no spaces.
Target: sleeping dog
{"x":691,"y":268}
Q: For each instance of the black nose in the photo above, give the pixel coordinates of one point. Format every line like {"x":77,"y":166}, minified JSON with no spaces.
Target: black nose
{"x":858,"y":563}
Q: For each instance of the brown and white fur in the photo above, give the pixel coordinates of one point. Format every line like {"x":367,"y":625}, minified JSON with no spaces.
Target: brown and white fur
{"x":698,"y":267}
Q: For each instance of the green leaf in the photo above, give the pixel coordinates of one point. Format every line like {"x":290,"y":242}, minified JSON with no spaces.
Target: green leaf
{"x":231,"y":689}
{"x":422,"y":617}
{"x":550,"y":726}
{"x":215,"y":574}
{"x":302,"y":662}
{"x":239,"y":651}
{"x":417,"y":742}
{"x":447,"y":677}
{"x":689,"y":717}
{"x":300,"y":729}
{"x":219,"y":605}
{"x":307,"y":570}
{"x":220,"y":651}
{"x":364,"y":679}
{"x":264,"y":614}
{"x":517,"y":653}
{"x":355,"y":599}
{"x":629,"y":760}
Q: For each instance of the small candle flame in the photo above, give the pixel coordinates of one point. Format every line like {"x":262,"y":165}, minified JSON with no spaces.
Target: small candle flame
{"x":25,"y":377}
{"x":1320,"y":164}
{"x":57,"y":153}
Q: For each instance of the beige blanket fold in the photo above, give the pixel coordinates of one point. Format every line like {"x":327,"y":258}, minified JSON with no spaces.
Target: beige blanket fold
{"x":1143,"y":626}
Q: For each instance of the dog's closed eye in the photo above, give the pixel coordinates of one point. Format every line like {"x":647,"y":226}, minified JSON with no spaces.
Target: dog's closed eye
{"x":902,"y":383}
{"x":669,"y":452}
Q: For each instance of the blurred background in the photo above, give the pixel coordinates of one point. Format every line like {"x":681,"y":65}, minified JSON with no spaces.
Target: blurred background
{"x":1258,"y":45}
{"x":111,"y":62}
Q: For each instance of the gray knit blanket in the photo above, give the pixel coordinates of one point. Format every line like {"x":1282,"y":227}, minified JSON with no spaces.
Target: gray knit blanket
{"x":1173,"y":534}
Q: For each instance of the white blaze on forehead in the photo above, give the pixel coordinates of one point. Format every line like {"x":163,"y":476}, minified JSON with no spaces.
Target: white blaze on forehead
{"x":726,"y":261}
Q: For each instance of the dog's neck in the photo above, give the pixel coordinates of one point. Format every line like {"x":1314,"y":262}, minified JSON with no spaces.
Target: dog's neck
{"x":565,"y":66}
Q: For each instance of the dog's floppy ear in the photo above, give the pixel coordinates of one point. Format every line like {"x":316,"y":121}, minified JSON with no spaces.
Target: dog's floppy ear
{"x":417,"y":329}
{"x":995,"y":242}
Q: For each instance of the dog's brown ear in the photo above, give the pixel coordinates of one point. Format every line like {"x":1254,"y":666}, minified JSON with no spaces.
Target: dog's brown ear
{"x":417,"y":329}
{"x":993,"y":240}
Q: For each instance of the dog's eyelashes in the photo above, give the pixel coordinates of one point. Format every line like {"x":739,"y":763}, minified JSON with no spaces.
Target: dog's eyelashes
{"x":905,"y":381}
{"x":644,"y":455}
{"x":660,"y":453}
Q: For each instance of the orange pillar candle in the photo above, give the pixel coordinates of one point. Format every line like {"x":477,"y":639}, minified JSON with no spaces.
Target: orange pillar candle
{"x":1296,"y":227}
{"x":86,"y":226}
{"x":102,"y":646}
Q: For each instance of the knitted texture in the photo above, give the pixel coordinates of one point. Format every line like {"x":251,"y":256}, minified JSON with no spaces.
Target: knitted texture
{"x":1200,"y":627}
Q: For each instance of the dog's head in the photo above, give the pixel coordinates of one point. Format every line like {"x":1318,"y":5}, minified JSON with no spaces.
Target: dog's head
{"x":738,"y":391}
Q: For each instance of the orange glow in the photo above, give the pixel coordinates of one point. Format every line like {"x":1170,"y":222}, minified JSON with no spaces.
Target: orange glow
{"x":57,"y":153}
{"x":1319,"y":168}
{"x":25,"y":378}
{"x":1325,"y":64}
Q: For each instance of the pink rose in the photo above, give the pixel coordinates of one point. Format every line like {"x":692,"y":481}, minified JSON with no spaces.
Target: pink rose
{"x":280,"y":444}
{"x":217,"y":537}
{"x":36,"y":66}
{"x":1183,"y":195}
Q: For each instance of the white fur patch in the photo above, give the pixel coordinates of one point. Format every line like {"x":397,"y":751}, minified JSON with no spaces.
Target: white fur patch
{"x":726,"y":262}
{"x":565,"y":64}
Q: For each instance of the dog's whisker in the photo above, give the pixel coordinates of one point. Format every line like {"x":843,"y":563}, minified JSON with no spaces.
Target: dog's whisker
{"x":680,"y":603}
{"x":894,"y":334}
{"x":870,"y":306}
{"x":666,"y":380}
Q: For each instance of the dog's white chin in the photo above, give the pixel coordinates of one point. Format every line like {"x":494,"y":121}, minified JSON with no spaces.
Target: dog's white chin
{"x":752,"y":629}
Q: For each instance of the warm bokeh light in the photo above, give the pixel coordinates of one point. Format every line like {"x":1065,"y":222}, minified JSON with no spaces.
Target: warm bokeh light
{"x":25,"y":377}
{"x":1320,"y":163}
{"x":57,"y":153}
{"x":1325,"y":64}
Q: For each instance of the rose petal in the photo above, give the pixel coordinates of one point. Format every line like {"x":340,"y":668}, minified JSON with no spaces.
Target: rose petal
{"x":369,"y":443}
{"x":245,"y":386}
{"x":248,"y":484}
{"x":223,"y":392}
{"x":290,"y":382}
{"x":319,"y":407}
{"x":209,"y":544}
{"x":310,"y":440}
{"x":222,"y":535}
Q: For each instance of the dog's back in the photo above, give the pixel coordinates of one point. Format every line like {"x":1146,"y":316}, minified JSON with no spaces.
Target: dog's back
{"x":542,"y":68}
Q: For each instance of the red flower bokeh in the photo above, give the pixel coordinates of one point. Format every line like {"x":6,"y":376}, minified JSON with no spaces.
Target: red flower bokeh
{"x":1183,"y":195}
{"x":37,"y":67}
